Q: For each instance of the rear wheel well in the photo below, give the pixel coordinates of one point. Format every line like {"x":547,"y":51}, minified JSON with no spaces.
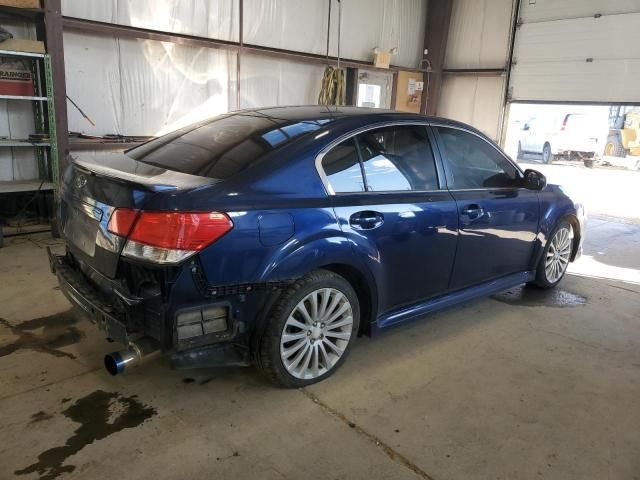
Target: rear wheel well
{"x":360,"y":285}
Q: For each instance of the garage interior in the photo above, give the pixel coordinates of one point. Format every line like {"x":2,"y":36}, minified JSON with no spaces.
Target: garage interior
{"x":524,"y":384}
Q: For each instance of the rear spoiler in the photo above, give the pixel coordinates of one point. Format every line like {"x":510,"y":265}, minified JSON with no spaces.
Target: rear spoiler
{"x":121,"y":167}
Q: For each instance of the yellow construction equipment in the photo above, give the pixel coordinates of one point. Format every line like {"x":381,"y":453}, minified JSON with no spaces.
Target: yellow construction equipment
{"x":624,"y":131}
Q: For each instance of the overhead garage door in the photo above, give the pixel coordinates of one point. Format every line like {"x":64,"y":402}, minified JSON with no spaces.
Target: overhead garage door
{"x":577,"y":51}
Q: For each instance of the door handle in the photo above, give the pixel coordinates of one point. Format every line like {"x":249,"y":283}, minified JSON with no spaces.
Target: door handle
{"x":366,"y":220}
{"x":473,"y":211}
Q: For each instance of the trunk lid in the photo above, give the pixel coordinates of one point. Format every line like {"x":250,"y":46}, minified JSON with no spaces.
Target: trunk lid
{"x":94,"y":186}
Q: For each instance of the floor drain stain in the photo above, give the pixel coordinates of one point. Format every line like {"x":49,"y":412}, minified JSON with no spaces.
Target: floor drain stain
{"x":99,"y":414}
{"x":535,"y":297}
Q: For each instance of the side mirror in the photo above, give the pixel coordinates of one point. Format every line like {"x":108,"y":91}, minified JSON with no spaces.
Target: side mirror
{"x":525,"y":127}
{"x":534,"y":180}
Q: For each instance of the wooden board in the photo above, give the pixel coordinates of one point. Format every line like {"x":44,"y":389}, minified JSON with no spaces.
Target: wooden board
{"x":21,"y":45}
{"x":21,"y":3}
{"x":405,"y":100}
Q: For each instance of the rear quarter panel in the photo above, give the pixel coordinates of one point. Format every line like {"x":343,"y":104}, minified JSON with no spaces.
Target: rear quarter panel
{"x":284,"y":225}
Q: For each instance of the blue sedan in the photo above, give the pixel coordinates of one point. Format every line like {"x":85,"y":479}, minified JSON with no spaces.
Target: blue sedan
{"x":276,"y":236}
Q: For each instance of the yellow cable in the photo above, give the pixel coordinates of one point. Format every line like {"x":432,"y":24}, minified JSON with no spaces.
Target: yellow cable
{"x":333,"y":91}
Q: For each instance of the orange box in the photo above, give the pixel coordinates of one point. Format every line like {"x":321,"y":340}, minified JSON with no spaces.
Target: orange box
{"x":15,"y":79}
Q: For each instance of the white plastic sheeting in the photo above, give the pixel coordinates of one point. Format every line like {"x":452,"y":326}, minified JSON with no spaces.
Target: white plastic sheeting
{"x":204,"y":18}
{"x":266,"y":82}
{"x":141,"y":87}
{"x":302,"y":25}
{"x":144,"y":87}
{"x":473,"y":100}
{"x":17,"y":121}
{"x":479,"y":34}
{"x":290,"y":24}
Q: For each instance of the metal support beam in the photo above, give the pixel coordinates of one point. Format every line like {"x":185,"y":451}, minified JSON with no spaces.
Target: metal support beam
{"x":476,"y":72}
{"x":241,"y":44}
{"x":54,"y":45}
{"x":504,"y":117}
{"x":435,"y":42}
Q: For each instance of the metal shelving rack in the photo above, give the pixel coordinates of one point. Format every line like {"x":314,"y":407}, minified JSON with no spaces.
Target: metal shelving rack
{"x":48,"y":151}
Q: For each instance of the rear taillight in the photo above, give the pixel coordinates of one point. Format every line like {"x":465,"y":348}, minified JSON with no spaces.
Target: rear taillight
{"x":121,"y":221}
{"x":167,"y":237}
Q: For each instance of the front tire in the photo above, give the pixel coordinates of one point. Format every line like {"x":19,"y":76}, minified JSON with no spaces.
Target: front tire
{"x":555,"y":256}
{"x":614,"y":147}
{"x":310,"y":330}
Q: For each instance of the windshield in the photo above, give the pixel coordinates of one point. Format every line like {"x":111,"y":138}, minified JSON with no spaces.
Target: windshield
{"x":222,"y":147}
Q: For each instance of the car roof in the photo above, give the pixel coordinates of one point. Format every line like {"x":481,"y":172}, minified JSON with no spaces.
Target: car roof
{"x":302,"y":113}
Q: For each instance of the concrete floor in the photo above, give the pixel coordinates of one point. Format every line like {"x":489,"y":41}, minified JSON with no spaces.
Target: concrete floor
{"x":523,"y":385}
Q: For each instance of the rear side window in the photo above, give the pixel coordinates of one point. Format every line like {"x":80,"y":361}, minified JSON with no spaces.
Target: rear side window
{"x":341,"y":165}
{"x":222,"y":147}
{"x":473,"y":163}
{"x":398,"y":158}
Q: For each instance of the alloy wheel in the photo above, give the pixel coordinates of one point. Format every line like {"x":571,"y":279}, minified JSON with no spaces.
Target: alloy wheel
{"x":316,"y":333}
{"x":558,"y":255}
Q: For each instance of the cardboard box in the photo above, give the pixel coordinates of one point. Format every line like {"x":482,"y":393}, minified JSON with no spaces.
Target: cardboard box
{"x":382,"y":59}
{"x":409,"y":91}
{"x":20,"y":45}
{"x":21,"y":3}
{"x":15,"y":78}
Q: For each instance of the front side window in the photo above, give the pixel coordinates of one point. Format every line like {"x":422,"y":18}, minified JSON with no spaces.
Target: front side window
{"x":341,"y":165}
{"x":398,"y":158}
{"x":473,"y":163}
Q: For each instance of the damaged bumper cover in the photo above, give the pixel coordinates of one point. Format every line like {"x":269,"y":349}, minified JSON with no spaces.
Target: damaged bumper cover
{"x":224,"y":349}
{"x":82,"y":295}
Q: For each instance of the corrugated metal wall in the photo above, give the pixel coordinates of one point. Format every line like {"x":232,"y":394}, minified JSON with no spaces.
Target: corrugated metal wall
{"x":578,"y":51}
{"x":478,"y":39}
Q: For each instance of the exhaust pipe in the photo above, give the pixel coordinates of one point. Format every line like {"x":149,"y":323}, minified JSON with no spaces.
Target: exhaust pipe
{"x":141,"y":349}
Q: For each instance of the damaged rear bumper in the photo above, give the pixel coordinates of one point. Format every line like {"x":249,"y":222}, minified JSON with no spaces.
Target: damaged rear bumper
{"x":82,"y":295}
{"x":116,"y":321}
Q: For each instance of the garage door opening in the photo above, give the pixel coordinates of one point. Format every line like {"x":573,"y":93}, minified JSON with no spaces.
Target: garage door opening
{"x":590,"y":149}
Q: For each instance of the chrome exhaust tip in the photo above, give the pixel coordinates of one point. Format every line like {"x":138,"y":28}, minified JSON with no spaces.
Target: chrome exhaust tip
{"x":142,"y":349}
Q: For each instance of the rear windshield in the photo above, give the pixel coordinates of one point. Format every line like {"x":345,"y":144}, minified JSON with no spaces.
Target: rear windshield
{"x":224,"y":146}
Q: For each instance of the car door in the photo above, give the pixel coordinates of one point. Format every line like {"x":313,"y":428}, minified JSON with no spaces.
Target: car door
{"x":385,"y":190}
{"x":525,"y":136}
{"x":498,"y":219}
{"x":537,"y":136}
{"x":532,"y":137}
